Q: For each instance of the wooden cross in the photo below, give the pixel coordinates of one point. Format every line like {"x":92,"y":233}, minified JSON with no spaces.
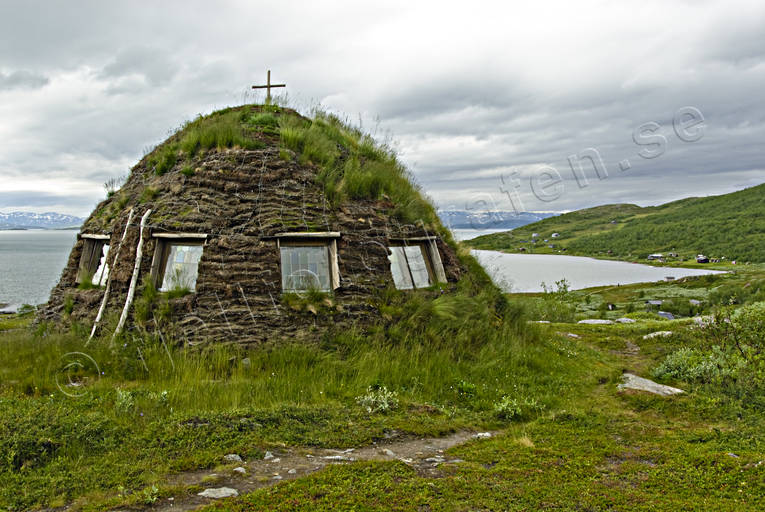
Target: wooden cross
{"x":268,"y":87}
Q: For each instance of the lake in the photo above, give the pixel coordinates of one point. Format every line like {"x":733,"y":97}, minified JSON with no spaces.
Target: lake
{"x":467,"y":234}
{"x":525,"y":272}
{"x":31,"y":263}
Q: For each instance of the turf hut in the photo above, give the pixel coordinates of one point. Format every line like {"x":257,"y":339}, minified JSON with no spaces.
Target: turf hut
{"x":251,"y":224}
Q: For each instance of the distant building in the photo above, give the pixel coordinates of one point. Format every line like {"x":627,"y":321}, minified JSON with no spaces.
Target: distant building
{"x":702,"y":259}
{"x":555,"y":235}
{"x":664,"y":314}
{"x":534,"y":235}
{"x":655,"y":256}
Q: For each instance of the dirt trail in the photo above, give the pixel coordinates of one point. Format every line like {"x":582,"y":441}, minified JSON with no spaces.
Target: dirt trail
{"x":423,"y":454}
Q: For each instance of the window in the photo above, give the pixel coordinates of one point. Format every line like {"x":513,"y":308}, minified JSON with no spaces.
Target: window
{"x":102,"y":272}
{"x":309,"y":261}
{"x":415,"y":263}
{"x":176,"y":261}
{"x":93,"y":263}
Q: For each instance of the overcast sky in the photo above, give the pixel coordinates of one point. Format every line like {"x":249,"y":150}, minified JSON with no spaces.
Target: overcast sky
{"x":485,"y":102}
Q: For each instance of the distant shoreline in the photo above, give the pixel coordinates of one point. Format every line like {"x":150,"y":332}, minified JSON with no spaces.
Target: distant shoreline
{"x":75,"y":228}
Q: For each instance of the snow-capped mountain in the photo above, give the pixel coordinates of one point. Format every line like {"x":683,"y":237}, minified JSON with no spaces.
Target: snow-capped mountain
{"x":462,"y":219}
{"x":48,"y":220}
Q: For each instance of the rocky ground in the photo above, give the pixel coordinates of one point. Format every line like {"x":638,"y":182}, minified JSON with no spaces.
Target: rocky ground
{"x":425,"y":455}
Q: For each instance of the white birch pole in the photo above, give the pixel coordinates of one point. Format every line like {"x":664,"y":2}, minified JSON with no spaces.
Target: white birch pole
{"x":109,"y":279}
{"x":134,"y":280}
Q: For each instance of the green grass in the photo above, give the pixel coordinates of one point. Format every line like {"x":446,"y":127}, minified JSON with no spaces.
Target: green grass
{"x":745,"y":285}
{"x":597,"y":450}
{"x":220,"y":130}
{"x":143,"y":408}
{"x":353,"y":166}
{"x":172,"y":410}
{"x":710,"y":225}
{"x":585,"y":460}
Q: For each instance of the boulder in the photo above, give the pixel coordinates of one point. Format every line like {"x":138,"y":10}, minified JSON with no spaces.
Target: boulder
{"x":220,"y":492}
{"x":632,"y":381}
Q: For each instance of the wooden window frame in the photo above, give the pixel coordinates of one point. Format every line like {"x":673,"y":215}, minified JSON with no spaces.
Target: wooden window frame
{"x":431,"y":255}
{"x":90,"y":257}
{"x":326,"y":239}
{"x":164,"y":243}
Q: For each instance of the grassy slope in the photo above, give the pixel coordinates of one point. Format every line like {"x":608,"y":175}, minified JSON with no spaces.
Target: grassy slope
{"x":599,"y":451}
{"x":590,"y":448}
{"x":731,"y":225}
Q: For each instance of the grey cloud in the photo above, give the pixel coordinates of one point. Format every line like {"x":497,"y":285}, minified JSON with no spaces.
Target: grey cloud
{"x":32,"y":198}
{"x":461,"y":111}
{"x":22,"y":79}
{"x":152,"y":63}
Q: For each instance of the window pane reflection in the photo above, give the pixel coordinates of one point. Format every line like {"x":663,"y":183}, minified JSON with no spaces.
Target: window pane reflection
{"x":305,"y":268}
{"x":182,"y":268}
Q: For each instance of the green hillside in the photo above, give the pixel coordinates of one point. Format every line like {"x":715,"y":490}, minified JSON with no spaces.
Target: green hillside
{"x":730,"y":226}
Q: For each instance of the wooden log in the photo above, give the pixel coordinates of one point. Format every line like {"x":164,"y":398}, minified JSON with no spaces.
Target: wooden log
{"x":109,"y":279}
{"x":134,"y":279}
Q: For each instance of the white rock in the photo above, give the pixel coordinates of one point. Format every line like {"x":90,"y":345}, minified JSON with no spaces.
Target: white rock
{"x":572,"y":335}
{"x":292,"y":471}
{"x":657,"y":334}
{"x":268,"y":456}
{"x":337,"y":457}
{"x":640,"y":384}
{"x":703,"y":321}
{"x":595,"y":321}
{"x":625,"y":320}
{"x":220,"y":492}
{"x":277,"y":477}
{"x":232,"y":457}
{"x":388,"y":452}
{"x":482,"y":435}
{"x":240,"y":470}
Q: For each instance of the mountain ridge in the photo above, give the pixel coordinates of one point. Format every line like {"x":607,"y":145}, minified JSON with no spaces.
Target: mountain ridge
{"x":46,"y":220}
{"x":730,"y":226}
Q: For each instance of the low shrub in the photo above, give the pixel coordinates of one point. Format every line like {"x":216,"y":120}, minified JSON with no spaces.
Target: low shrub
{"x":378,"y":399}
{"x":509,"y":408}
{"x":693,"y":365}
